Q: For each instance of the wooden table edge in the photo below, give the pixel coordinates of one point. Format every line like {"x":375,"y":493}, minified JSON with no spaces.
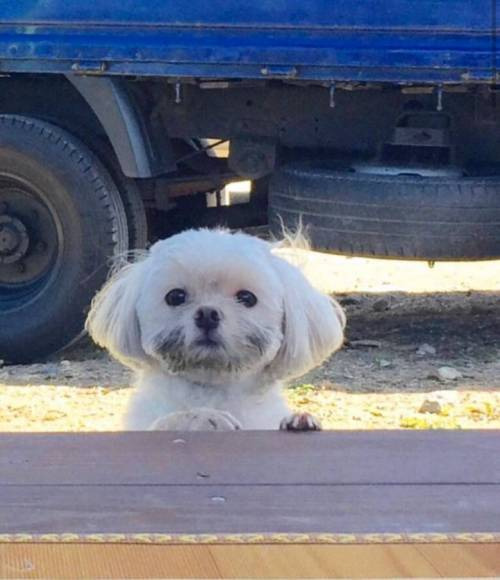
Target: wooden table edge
{"x":253,"y":538}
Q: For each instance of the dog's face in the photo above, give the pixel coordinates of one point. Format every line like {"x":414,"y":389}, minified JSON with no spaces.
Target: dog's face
{"x":211,"y":309}
{"x":211,"y":306}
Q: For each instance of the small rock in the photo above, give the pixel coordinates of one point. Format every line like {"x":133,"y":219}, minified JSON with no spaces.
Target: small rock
{"x":349,"y":301}
{"x":425,"y":349}
{"x":365,"y":344}
{"x":449,"y":374}
{"x":2,"y":362}
{"x":49,"y":369}
{"x":429,"y":406}
{"x":381,"y":305}
{"x":65,"y":363}
{"x":384,"y":363}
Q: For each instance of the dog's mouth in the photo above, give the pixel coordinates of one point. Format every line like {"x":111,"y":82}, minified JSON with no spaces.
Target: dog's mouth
{"x":207,"y":342}
{"x":207,"y":354}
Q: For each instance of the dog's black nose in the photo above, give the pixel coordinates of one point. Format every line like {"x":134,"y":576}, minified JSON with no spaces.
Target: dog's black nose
{"x":207,"y":318}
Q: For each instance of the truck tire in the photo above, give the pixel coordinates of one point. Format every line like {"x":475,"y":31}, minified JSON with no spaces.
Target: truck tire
{"x":61,"y":220}
{"x":129,"y":192}
{"x":404,"y":216}
{"x":134,"y":212}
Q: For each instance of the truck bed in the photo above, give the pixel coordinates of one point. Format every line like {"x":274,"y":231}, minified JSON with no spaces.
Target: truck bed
{"x":429,"y":41}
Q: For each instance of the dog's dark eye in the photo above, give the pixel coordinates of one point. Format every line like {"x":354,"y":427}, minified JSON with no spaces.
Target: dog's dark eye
{"x":176,"y":297}
{"x":246,"y":298}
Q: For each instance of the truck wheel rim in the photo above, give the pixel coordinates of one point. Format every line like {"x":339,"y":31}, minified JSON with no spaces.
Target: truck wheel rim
{"x":30,"y":242}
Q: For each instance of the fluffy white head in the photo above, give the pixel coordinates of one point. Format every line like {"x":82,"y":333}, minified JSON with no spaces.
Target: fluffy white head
{"x":214,"y":306}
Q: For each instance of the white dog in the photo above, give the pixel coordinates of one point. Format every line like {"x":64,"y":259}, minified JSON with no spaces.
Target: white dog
{"x":212,"y":323}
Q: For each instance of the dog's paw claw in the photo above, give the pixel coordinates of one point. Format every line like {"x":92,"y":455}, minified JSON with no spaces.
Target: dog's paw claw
{"x":300,"y":422}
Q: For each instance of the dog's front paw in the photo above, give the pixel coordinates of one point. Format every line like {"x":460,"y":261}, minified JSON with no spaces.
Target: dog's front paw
{"x":300,"y":422}
{"x":201,"y":419}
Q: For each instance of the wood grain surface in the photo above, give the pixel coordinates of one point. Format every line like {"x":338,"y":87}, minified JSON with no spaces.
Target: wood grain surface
{"x":84,"y":561}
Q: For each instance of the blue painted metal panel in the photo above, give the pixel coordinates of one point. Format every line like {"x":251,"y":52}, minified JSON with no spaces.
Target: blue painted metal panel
{"x":386,"y":40}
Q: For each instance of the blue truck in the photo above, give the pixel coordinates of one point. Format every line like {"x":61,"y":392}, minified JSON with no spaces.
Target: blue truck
{"x":374,"y":123}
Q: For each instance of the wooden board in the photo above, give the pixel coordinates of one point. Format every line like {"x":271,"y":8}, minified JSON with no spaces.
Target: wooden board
{"x":334,"y":457}
{"x":361,"y":482}
{"x":235,"y":509}
{"x":86,"y":561}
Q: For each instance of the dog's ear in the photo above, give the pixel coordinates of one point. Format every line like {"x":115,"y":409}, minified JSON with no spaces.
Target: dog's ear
{"x":313,"y":324}
{"x":112,"y":321}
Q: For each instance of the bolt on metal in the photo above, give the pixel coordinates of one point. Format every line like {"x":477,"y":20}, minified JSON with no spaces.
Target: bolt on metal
{"x":332,"y":96}
{"x":439,"y":105}
{"x":178,"y":93}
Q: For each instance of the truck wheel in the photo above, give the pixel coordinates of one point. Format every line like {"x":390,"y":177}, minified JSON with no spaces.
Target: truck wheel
{"x":404,"y":216}
{"x":134,"y":212}
{"x":61,"y":220}
{"x":129,"y":193}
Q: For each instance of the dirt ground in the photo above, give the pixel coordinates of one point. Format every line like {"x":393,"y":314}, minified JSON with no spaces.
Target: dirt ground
{"x":406,"y":321}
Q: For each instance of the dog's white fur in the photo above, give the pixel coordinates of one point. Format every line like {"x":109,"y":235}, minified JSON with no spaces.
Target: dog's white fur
{"x":238,"y":383}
